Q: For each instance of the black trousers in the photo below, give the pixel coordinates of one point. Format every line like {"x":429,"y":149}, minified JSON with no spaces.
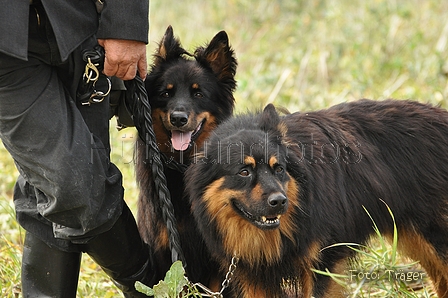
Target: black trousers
{"x":68,"y":190}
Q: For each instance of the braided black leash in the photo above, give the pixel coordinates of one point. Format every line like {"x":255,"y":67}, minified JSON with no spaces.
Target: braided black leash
{"x":138,"y":104}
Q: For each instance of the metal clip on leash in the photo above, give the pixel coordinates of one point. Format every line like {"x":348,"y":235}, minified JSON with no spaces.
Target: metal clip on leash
{"x":93,"y":87}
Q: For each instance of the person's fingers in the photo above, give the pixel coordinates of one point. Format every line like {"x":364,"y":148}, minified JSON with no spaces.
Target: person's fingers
{"x":124,"y":70}
{"x":127,"y":72}
{"x":142,"y":68}
{"x":123,"y":58}
{"x":110,"y":67}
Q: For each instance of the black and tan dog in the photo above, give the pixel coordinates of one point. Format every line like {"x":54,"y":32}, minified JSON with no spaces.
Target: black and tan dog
{"x":275,"y":191}
{"x":190,"y":94}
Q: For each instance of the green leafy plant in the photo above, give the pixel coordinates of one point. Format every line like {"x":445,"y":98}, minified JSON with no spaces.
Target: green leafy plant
{"x":174,"y":285}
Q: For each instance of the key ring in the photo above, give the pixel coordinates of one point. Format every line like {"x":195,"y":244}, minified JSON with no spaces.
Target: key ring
{"x":98,"y":95}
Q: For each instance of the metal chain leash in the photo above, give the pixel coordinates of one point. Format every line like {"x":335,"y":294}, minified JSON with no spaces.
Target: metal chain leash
{"x":229,"y":275}
{"x":224,"y":284}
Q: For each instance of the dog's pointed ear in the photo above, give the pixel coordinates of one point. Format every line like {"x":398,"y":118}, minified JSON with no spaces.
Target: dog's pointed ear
{"x":269,"y":118}
{"x":219,"y":56}
{"x":169,"y":47}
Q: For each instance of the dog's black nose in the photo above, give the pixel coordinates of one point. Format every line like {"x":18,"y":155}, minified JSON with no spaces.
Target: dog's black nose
{"x":178,"y":119}
{"x":278,"y":201}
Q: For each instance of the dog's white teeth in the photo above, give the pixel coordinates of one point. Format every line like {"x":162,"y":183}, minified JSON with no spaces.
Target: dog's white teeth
{"x":264,"y":219}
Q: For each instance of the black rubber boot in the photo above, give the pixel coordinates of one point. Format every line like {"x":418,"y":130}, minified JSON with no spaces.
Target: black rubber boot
{"x":123,"y":255}
{"x":48,"y":272}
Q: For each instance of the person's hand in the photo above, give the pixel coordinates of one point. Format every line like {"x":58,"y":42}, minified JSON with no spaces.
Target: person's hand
{"x":123,"y":58}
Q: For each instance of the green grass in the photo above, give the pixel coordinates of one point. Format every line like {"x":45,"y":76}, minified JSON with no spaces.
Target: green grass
{"x":378,"y":270}
{"x":303,"y":55}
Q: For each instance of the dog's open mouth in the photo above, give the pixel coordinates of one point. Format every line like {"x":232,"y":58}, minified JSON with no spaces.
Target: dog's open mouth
{"x":265,"y":222}
{"x":181,"y":140}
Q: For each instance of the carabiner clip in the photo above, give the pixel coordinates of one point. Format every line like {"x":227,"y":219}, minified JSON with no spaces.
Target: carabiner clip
{"x":90,"y":70}
{"x":98,"y":95}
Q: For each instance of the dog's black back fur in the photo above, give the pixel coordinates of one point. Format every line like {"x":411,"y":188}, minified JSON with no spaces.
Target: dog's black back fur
{"x":340,"y":163}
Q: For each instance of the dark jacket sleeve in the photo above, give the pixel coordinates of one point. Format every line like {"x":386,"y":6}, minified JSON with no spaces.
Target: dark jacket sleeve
{"x":124,"y":20}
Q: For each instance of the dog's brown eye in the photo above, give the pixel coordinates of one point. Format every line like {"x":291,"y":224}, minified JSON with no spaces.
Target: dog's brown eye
{"x":198,"y":95}
{"x":279,"y":169}
{"x":244,"y":173}
{"x":165,"y":94}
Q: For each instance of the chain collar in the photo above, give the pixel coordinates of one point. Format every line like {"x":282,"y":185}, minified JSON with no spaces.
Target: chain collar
{"x":224,"y":284}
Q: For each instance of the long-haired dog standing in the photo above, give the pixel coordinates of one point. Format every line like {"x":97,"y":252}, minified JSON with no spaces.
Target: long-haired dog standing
{"x":278,"y":192}
{"x":190,"y":94}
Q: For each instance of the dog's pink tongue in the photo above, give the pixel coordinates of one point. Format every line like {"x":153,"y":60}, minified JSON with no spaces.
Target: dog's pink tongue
{"x":180,"y":140}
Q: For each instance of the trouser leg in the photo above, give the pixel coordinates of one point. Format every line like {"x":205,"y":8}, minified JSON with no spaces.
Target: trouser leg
{"x":50,"y":272}
{"x":47,"y":271}
{"x":123,"y":255}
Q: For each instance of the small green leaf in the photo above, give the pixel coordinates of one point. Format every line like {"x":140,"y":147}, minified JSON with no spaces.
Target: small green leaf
{"x":142,"y":288}
{"x":175,"y":279}
{"x":172,"y":285}
{"x":162,"y":290}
